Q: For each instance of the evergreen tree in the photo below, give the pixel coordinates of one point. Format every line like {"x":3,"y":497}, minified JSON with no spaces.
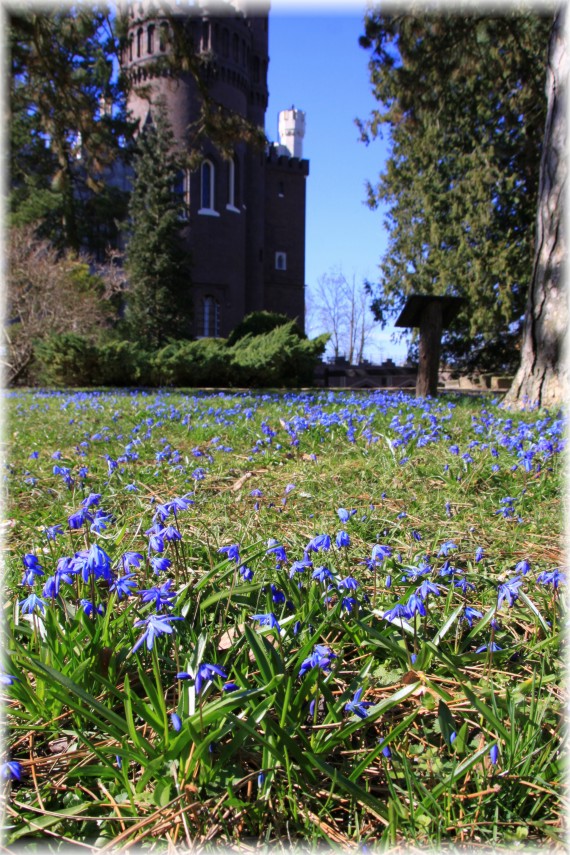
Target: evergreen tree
{"x":159,"y":297}
{"x":67,"y":119}
{"x":463,"y":98}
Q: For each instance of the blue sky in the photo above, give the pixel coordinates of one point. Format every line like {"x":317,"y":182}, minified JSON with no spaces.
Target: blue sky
{"x":317,"y":65}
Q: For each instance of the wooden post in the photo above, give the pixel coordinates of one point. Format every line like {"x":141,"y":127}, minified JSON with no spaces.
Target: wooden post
{"x":429,"y":350}
{"x":432,"y":314}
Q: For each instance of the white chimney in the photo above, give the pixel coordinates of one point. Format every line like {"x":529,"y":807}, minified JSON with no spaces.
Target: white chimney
{"x":292,"y":131}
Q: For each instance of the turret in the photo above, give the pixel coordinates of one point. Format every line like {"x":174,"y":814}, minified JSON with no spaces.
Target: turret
{"x":292,"y":131}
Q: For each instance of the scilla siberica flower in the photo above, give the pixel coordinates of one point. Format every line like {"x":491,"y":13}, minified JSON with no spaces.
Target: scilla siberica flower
{"x":379,"y":553}
{"x":342,"y":539}
{"x":509,"y":591}
{"x":11,"y":769}
{"x":206,"y":673}
{"x":155,"y":625}
{"x":357,"y":706}
{"x":97,"y":564}
{"x":320,"y":541}
{"x":231,"y":551}
{"x":31,"y":604}
{"x":124,"y":586}
{"x":321,"y":657}
{"x":268,"y":619}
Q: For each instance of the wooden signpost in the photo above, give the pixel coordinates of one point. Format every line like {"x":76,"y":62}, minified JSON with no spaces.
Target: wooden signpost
{"x":432,"y":315}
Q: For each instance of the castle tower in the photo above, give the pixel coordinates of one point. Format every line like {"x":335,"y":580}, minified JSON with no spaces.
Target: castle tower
{"x":227,"y":212}
{"x":292,"y":131}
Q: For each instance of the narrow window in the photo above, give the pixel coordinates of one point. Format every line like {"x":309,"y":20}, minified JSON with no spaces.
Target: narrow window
{"x":207,"y":186}
{"x":139,"y":42}
{"x":131,"y":48}
{"x":256,"y":69}
{"x":163,"y":36}
{"x":235,"y":47}
{"x":181,"y":190}
{"x":206,"y":35}
{"x":150,"y":39}
{"x":281,"y":261}
{"x":231,"y":183}
{"x":225,"y":42}
{"x":211,"y":318}
{"x":281,"y":191}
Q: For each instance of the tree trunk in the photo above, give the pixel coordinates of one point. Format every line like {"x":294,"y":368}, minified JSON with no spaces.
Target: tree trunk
{"x":542,"y":377}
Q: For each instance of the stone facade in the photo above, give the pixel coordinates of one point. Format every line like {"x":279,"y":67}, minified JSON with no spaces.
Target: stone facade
{"x":245,"y":217}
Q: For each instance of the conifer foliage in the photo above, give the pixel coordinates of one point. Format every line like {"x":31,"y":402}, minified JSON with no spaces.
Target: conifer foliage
{"x":158,"y":267}
{"x":462,"y":96}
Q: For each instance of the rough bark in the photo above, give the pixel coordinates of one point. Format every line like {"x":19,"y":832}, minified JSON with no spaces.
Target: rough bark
{"x":429,"y":350}
{"x":542,"y":378}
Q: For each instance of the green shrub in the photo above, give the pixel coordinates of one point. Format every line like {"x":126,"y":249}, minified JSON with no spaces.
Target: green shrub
{"x":66,"y":359}
{"x":203,"y":362}
{"x":277,"y":358}
{"x":258,"y":323}
{"x":123,"y":363}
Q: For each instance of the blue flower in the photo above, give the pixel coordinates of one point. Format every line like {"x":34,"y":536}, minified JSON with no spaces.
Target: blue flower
{"x":160,"y":563}
{"x":322,"y":574}
{"x":492,"y":647}
{"x":176,"y":721}
{"x":349,"y":604}
{"x":32,"y":603}
{"x":523,"y":566}
{"x":464,"y":585}
{"x":342,"y":539}
{"x":279,"y":552}
{"x":91,"y":500}
{"x":345,"y":515}
{"x":379,"y":553}
{"x":268,"y":619}
{"x":161,"y":595}
{"x":230,"y":686}
{"x":155,"y":625}
{"x":300,"y":566}
{"x":320,"y":541}
{"x":97,"y":563}
{"x":348,"y":584}
{"x":52,"y":531}
{"x":321,"y":657}
{"x":397,"y":611}
{"x":357,"y":706}
{"x":90,"y":609}
{"x":415,"y":605}
{"x":552,"y":577}
{"x":446,"y":547}
{"x":7,"y":679}
{"x":494,"y":754}
{"x":470,"y":614}
{"x":246,"y":573}
{"x":508,"y":591}
{"x":131,"y":559}
{"x":124,"y":585}
{"x":231,"y":551}
{"x":206,"y":673}
{"x":479,"y":553}
{"x":289,"y":487}
{"x":11,"y":769}
{"x":426,"y":588}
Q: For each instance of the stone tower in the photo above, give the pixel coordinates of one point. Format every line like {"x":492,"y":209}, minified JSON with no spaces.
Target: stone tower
{"x":245,"y":215}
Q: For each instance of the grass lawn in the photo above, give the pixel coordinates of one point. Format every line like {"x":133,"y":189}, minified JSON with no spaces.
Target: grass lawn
{"x":313,"y":618}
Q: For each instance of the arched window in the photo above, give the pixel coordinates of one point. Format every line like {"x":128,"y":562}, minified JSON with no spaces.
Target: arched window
{"x":131,"y":48}
{"x":150,"y":39}
{"x":210,"y":317}
{"x":139,"y":42}
{"x":206,"y":35}
{"x":207,"y":201}
{"x":281,"y":261}
{"x":225,"y":42}
{"x":235,"y":47}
